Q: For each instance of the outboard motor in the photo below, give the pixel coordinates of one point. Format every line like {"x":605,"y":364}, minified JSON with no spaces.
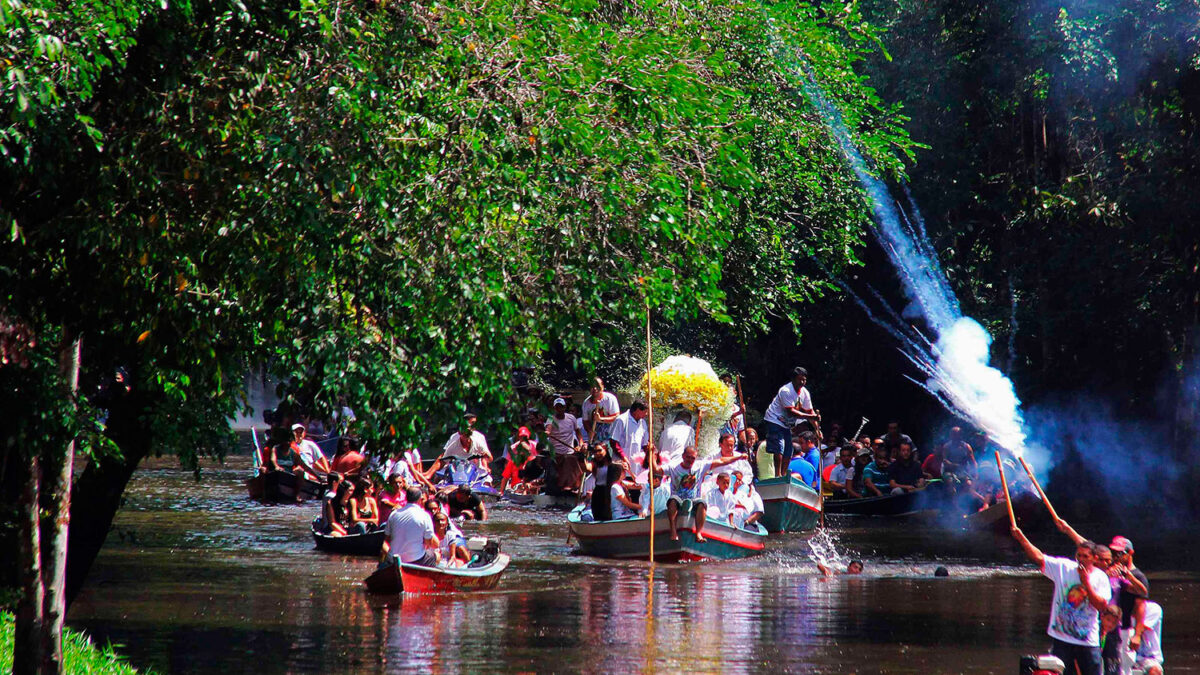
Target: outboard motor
{"x":1042,"y":665}
{"x":483,"y":550}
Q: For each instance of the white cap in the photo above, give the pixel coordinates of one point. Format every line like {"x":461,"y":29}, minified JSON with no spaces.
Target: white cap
{"x":559,"y":401}
{"x":297,"y":425}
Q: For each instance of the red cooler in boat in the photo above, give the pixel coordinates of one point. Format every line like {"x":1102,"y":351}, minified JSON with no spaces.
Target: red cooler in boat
{"x":1042,"y":665}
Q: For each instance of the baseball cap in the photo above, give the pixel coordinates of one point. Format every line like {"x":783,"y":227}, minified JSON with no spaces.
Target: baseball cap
{"x":297,"y":426}
{"x":559,"y":401}
{"x":1121,"y":544}
{"x":523,"y":432}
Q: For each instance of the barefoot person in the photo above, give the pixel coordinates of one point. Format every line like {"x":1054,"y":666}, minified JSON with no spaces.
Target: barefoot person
{"x":1081,"y":592}
{"x":791,"y":405}
{"x":686,"y":479}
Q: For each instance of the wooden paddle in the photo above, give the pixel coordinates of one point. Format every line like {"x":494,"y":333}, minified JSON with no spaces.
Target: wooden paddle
{"x":1038,"y":486}
{"x":1012,"y":519}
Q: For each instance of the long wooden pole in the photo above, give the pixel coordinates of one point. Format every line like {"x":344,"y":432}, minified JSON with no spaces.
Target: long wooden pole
{"x":1038,"y":486}
{"x":1012,"y":519}
{"x":653,"y":449}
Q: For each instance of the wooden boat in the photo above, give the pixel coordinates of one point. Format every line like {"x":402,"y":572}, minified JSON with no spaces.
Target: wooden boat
{"x":1026,"y":507}
{"x":788,"y":504}
{"x":564,"y":501}
{"x":281,"y":486}
{"x":406,"y":578}
{"x":630,"y":538}
{"x":351,"y":544}
{"x":905,"y":504}
{"x":518,"y":498}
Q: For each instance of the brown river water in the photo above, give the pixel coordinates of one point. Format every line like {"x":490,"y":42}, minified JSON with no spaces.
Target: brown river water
{"x":196,"y":578}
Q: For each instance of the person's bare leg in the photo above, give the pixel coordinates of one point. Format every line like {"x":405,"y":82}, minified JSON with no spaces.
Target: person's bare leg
{"x":701,"y":512}
{"x":672,"y":514}
{"x":778,"y":465}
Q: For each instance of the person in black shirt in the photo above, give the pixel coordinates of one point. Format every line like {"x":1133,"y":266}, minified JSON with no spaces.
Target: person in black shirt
{"x":904,"y":474}
{"x":462,"y":503}
{"x":1132,"y":593}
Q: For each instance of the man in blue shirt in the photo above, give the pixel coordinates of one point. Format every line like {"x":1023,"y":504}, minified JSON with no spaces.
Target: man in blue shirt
{"x":804,"y":466}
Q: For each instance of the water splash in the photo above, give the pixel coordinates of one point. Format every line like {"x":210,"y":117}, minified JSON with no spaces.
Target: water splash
{"x":956,"y":361}
{"x":823,"y":550}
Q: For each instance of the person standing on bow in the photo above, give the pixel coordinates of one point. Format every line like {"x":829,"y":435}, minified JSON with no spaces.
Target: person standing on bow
{"x":600,"y":409}
{"x":791,"y":406}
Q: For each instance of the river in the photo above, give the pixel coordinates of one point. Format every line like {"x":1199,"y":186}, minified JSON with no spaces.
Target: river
{"x":197,"y":578}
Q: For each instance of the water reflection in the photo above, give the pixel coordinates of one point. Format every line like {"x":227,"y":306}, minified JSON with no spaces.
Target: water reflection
{"x":197,"y":579}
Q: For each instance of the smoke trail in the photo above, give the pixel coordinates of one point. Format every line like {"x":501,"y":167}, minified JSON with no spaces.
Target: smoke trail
{"x":956,"y":366}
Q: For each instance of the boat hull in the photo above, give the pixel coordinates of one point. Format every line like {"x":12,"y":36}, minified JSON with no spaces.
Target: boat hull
{"x":788,"y":504}
{"x":370,"y":543}
{"x":281,"y":486}
{"x":929,"y":499}
{"x":405,"y":578}
{"x":1026,"y":507}
{"x":630,"y":538}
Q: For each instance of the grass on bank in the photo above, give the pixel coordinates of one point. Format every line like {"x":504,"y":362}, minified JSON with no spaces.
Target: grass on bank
{"x":79,"y":654}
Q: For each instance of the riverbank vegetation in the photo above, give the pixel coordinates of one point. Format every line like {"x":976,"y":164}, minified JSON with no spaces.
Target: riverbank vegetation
{"x":80,"y":655}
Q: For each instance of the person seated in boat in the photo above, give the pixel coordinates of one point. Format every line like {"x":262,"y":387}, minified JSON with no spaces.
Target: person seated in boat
{"x":392,"y":497}
{"x":335,"y":513}
{"x":875,"y":476}
{"x":803,"y":470}
{"x":347,"y":460}
{"x":598,"y":466}
{"x":935,"y":464}
{"x":660,"y":493}
{"x":452,"y":549}
{"x":687,"y":477}
{"x":1148,"y":656}
{"x":462,"y":504}
{"x":727,"y":447}
{"x":519,"y":454}
{"x":894,"y":437}
{"x":307,"y":460}
{"x":600,"y":409}
{"x":751,"y":503}
{"x":409,"y":534}
{"x":467,"y":443}
{"x":841,"y":479}
{"x":364,"y":509}
{"x":622,"y":506}
{"x":334,"y":480}
{"x":904,"y":474}
{"x":748,"y":444}
{"x":266,"y":459}
{"x":861,"y":460}
{"x":720,"y":500}
{"x":676,"y":438}
{"x":957,"y":456}
{"x":854,"y":568}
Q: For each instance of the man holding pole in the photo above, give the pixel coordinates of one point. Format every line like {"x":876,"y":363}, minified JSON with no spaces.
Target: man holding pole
{"x":791,"y":405}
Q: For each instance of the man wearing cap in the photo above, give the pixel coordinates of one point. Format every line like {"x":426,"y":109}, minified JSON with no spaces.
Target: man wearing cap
{"x":564,"y":439}
{"x":1132,"y":593}
{"x":519,"y":454}
{"x":307,"y":458}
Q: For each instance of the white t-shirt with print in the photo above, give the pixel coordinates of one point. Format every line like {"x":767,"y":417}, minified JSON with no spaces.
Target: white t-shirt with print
{"x":788,"y":397}
{"x":1072,"y":617}
{"x":687,"y":482}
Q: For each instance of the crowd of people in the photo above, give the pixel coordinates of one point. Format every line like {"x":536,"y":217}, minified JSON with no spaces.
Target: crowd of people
{"x":605,"y":457}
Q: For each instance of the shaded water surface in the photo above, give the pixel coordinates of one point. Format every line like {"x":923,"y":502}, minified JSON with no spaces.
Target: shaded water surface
{"x":197,"y":578}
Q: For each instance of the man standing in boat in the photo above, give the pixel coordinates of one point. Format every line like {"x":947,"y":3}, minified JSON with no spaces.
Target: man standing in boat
{"x":600,"y":409}
{"x":791,"y":405}
{"x":560,"y":429}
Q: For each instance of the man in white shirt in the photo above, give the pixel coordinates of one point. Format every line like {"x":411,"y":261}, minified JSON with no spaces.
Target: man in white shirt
{"x":750,"y":503}
{"x":687,"y":479}
{"x":628,"y":434}
{"x":564,"y":439}
{"x":841,"y":479}
{"x":409,"y":534}
{"x":306,"y":456}
{"x":467,"y":442}
{"x":676,"y":437}
{"x":1149,"y":653}
{"x":791,"y":405}
{"x":728,"y":448}
{"x":600,"y":410}
{"x":1081,"y":592}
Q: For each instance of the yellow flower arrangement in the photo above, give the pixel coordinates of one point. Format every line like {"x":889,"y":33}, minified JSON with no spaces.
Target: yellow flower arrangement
{"x":686,"y":382}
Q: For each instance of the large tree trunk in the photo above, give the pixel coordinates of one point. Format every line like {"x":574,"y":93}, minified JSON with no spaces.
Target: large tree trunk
{"x":57,"y":486}
{"x":96,"y":496}
{"x":27,"y":652}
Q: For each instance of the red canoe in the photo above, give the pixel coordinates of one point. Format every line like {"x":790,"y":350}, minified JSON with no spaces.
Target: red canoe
{"x":406,"y":578}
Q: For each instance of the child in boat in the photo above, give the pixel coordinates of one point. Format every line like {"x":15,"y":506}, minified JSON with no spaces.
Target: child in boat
{"x":660,"y":494}
{"x":452,"y":551}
